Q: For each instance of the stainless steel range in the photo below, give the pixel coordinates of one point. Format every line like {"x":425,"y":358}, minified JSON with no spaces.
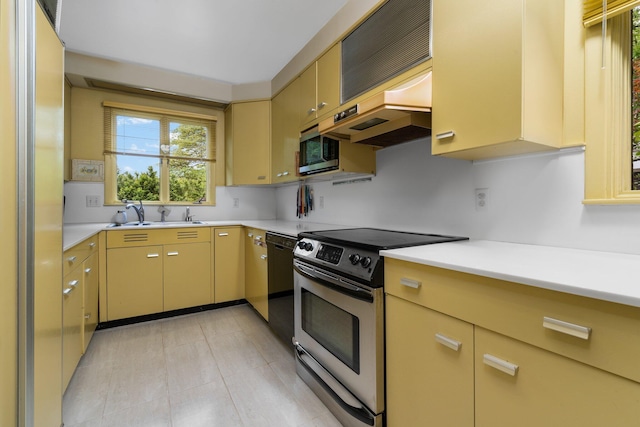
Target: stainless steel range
{"x":339,"y":317}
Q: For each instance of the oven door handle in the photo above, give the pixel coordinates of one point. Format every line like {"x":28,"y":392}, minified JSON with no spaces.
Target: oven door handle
{"x":331,"y":281}
{"x":337,"y":391}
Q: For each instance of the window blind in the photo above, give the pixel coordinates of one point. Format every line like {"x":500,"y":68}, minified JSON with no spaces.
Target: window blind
{"x":594,"y":10}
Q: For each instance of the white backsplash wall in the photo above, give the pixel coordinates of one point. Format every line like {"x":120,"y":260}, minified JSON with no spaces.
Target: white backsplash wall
{"x":534,"y":199}
{"x":253,"y":203}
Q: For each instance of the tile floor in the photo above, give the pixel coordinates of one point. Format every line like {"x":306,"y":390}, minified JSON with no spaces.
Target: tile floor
{"x":223,"y":367}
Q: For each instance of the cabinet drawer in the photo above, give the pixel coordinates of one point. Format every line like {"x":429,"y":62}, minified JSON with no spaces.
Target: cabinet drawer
{"x":146,"y":237}
{"x":598,"y":333}
{"x":517,"y":384}
{"x":76,"y":255}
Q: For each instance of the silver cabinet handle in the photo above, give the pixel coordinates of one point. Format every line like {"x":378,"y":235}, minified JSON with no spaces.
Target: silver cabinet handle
{"x":172,"y":253}
{"x":263,"y":257}
{"x":410,"y":283}
{"x":250,"y":235}
{"x":563,"y":327}
{"x":87,"y":270}
{"x":448,"y":342}
{"x":223,"y":234}
{"x":72,"y":259}
{"x":87,"y":316}
{"x":322,"y":105}
{"x":444,"y":135}
{"x":311,"y":111}
{"x":279,"y":175}
{"x":73,"y":283}
{"x":67,"y":291}
{"x":285,"y":173}
{"x":499,"y":364}
{"x":258,"y":237}
{"x":153,"y":255}
{"x":92,"y":245}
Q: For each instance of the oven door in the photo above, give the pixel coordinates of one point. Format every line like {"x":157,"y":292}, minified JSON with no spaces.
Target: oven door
{"x":339,"y":324}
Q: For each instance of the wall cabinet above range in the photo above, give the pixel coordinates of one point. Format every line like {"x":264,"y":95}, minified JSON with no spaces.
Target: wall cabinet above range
{"x":285,"y":133}
{"x":320,"y":87}
{"x":497,"y":77}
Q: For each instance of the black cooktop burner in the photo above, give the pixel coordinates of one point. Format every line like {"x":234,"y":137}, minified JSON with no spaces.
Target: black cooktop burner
{"x":376,"y":239}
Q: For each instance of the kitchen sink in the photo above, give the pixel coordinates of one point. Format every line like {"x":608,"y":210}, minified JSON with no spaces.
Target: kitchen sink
{"x":154,"y":224}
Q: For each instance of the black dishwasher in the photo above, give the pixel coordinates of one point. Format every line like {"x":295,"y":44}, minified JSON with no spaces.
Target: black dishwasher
{"x":280,"y":258}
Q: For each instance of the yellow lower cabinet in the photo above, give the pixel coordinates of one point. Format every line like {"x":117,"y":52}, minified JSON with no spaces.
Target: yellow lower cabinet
{"x":256,"y":273}
{"x":521,"y":385}
{"x":134,"y":281}
{"x":71,"y":324}
{"x":187,"y":275}
{"x":429,"y":367}
{"x":228,"y":259}
{"x":90,"y":306}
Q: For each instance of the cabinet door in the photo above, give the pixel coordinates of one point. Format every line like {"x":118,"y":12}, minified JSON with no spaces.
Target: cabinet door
{"x":229,"y":264}
{"x":251,"y":136}
{"x":256,"y":286}
{"x":90,"y":306}
{"x":308,"y":104}
{"x":134,"y":281}
{"x":187,"y":275}
{"x":429,"y":367}
{"x":71,"y":324}
{"x":497,"y":77}
{"x":547,"y":389}
{"x":285,"y":136}
{"x":328,"y":82}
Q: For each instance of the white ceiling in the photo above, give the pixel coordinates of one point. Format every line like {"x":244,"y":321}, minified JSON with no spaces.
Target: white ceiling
{"x":232,"y":41}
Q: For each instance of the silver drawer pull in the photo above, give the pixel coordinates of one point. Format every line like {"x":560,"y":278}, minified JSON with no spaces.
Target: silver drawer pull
{"x":87,"y":316}
{"x":223,"y":234}
{"x":279,"y":175}
{"x":153,"y":255}
{"x":73,"y":283}
{"x":87,"y":270}
{"x":322,"y":105}
{"x":67,"y":291}
{"x":172,"y":253}
{"x":411,"y":283}
{"x":92,"y":245}
{"x":445,"y":135}
{"x":250,"y":235}
{"x":263,"y":257}
{"x":71,"y":259}
{"x":572,"y":329}
{"x":311,"y":111}
{"x":285,"y":173}
{"x":499,"y":364}
{"x":448,"y":342}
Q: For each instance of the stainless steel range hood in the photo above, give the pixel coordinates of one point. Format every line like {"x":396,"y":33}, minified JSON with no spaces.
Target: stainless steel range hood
{"x":387,"y":118}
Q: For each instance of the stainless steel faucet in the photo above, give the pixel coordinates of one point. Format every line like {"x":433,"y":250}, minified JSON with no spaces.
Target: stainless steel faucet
{"x":139,"y":211}
{"x":187,"y":215}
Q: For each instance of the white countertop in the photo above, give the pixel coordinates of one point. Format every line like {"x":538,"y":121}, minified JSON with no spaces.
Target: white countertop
{"x":606,"y":276}
{"x":76,"y":233}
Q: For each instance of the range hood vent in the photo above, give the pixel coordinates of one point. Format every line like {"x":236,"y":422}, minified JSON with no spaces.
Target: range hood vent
{"x":387,"y":118}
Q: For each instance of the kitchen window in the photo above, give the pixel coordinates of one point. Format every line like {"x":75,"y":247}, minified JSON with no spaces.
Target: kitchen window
{"x":612,"y":101}
{"x":158,"y":156}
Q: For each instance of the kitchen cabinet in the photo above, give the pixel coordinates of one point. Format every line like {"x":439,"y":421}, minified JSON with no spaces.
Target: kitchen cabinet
{"x":533,"y":348}
{"x":424,"y":348}
{"x":187,"y":275}
{"x":320,"y":88}
{"x":228,"y":260}
{"x":72,"y":331}
{"x":256,"y":273}
{"x":248,"y":143}
{"x":44,"y":265}
{"x":285,"y":133}
{"x":151,"y":271}
{"x":497,"y":77}
{"x":90,"y":285}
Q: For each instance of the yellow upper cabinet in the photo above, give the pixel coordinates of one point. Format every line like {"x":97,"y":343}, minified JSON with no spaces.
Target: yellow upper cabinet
{"x":497,"y":77}
{"x":248,"y":143}
{"x":285,"y":133}
{"x":320,"y":87}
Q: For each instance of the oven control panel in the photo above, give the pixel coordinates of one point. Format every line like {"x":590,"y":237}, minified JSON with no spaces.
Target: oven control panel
{"x":359,"y":263}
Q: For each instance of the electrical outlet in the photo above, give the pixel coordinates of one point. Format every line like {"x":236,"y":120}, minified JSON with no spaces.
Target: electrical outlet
{"x":482,"y":199}
{"x":236,"y":202}
{"x":93,"y":201}
{"x":321,"y":202}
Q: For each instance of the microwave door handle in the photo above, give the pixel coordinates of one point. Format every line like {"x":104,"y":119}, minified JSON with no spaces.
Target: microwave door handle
{"x":336,"y":391}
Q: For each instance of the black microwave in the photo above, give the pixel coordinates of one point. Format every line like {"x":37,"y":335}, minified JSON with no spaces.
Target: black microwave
{"x":318,"y":153}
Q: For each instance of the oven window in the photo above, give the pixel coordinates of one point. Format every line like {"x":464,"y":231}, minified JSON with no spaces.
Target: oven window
{"x":335,"y":329}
